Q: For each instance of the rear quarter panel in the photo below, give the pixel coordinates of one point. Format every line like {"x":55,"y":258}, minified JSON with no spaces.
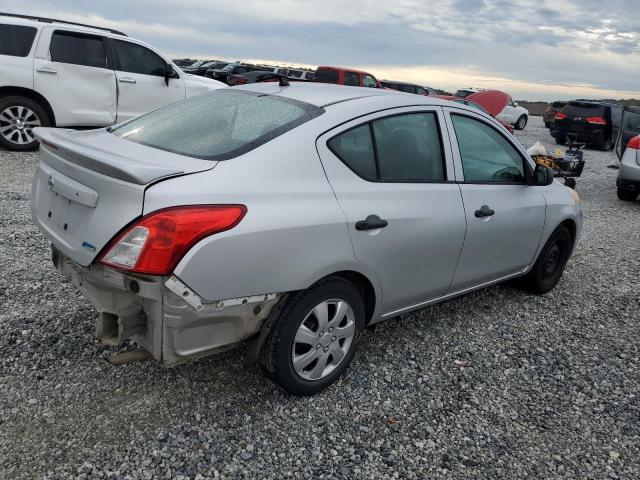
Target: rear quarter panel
{"x":293,"y":234}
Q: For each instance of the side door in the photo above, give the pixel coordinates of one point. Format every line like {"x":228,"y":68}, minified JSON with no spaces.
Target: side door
{"x":629,"y":128}
{"x":75,"y":74}
{"x":505,"y":215}
{"x":141,"y":80}
{"x":392,"y":175}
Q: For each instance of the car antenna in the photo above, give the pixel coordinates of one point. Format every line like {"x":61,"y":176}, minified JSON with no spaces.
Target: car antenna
{"x":283,"y":82}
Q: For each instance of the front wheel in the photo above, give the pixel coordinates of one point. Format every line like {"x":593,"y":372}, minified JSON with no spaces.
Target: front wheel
{"x":550,"y":263}
{"x":18,"y":117}
{"x":627,"y":195}
{"x":521,"y":123}
{"x":315,"y":338}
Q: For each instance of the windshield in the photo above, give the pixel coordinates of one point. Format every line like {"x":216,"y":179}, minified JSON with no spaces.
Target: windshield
{"x":220,"y":125}
{"x":229,"y":68}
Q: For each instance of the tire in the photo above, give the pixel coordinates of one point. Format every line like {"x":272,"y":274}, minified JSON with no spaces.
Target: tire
{"x":627,"y":195}
{"x":521,"y":123}
{"x":561,"y":140}
{"x":18,"y":115}
{"x":547,"y":124}
{"x":550,"y":263}
{"x":315,"y":359}
{"x":607,"y":145}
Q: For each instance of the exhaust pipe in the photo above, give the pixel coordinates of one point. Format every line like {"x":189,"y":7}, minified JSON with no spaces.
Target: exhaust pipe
{"x":112,"y":329}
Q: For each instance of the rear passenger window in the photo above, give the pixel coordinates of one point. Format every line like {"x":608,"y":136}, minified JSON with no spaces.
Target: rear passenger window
{"x":16,"y":40}
{"x":326,"y":76}
{"x":352,"y":78}
{"x":487,"y":157}
{"x":355,"y":148}
{"x":407,"y":148}
{"x":78,"y":49}
{"x":134,"y":58}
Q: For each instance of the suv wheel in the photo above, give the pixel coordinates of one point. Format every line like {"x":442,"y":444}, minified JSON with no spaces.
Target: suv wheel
{"x":627,"y":195}
{"x":550,"y":263}
{"x":18,"y":117}
{"x":315,"y":338}
{"x":607,"y":145}
{"x":561,"y":140}
{"x":521,"y":123}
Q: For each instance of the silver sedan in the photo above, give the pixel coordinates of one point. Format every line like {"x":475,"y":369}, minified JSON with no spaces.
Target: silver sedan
{"x":290,"y":217}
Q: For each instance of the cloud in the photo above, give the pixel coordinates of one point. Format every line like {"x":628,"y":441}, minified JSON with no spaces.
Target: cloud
{"x":515,"y":44}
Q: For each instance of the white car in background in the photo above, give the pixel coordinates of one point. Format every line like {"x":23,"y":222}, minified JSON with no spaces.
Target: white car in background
{"x":64,"y":74}
{"x":512,"y":114}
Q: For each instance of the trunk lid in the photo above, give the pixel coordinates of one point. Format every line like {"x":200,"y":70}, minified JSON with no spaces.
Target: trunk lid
{"x":493,"y":101}
{"x":84,"y":193}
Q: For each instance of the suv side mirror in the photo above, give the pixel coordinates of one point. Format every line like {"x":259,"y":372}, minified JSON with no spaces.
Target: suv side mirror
{"x":168,"y":73}
{"x":542,"y":176}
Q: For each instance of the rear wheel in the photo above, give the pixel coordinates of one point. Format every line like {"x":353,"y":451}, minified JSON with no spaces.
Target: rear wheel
{"x":315,"y":338}
{"x":550,"y":263}
{"x":521,"y":123}
{"x":607,"y":145}
{"x":547,"y":124}
{"x":561,"y":140}
{"x":627,"y":195}
{"x":18,"y":117}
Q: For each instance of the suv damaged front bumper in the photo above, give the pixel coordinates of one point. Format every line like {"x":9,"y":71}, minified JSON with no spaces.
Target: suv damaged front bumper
{"x":162,"y":314}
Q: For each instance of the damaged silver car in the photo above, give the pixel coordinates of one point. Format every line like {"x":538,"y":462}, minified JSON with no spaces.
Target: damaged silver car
{"x":291,"y":217}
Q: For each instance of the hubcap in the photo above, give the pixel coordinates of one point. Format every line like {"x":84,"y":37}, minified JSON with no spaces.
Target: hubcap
{"x":323,"y":339}
{"x":17,"y":124}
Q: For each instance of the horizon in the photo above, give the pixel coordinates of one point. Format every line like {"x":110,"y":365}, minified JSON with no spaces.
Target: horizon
{"x":535,"y":51}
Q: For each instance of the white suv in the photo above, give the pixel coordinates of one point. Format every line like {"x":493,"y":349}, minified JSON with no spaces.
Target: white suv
{"x":63,"y":74}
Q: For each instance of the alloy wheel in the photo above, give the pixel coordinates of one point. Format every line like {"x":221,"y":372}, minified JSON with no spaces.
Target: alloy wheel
{"x":323,"y":339}
{"x":17,"y":123}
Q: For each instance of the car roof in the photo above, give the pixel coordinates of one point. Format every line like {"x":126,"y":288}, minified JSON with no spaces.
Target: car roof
{"x":328,"y":67}
{"x":37,"y":22}
{"x":325,"y":94}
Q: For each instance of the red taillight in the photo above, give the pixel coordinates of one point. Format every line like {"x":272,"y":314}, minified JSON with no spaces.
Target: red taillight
{"x":560,"y":116}
{"x":241,"y":81}
{"x":596,"y":121}
{"x":157,"y":242}
{"x":634,"y":143}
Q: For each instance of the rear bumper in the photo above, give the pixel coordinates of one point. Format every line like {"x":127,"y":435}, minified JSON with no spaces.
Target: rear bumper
{"x":597,"y":136}
{"x":149,"y":312}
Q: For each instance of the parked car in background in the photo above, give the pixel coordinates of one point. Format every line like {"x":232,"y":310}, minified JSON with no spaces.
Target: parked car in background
{"x":465,"y":92}
{"x":593,"y":122}
{"x":221,"y":74}
{"x":492,"y":102}
{"x":299,"y":74}
{"x":514,"y":114}
{"x":56,"y":73}
{"x":183,"y":62}
{"x":474,"y":104}
{"x":628,"y":151}
{"x":257,"y":76}
{"x":549,"y":114}
{"x":190,"y":228}
{"x":404,"y":87}
{"x":345,"y":76}
{"x":200,"y":68}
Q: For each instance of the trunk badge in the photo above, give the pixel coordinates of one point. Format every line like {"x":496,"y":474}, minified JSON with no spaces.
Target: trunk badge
{"x":88,"y":246}
{"x":51,"y":182}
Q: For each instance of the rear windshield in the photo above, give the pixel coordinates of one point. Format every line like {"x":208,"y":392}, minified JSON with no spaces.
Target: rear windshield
{"x":326,"y":76}
{"x":16,"y":40}
{"x":583,"y":110}
{"x":220,"y":125}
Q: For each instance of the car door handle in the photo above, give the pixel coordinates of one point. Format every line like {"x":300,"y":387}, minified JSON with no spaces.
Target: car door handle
{"x":127,"y":80}
{"x":485,"y":211}
{"x":371,"y":223}
{"x":46,"y":70}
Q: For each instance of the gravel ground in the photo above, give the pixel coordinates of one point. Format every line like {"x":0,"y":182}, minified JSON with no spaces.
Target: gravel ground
{"x":497,"y":384}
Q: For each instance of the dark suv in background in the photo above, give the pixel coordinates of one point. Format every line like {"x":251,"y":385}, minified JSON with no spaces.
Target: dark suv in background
{"x":593,"y":122}
{"x":222,"y":73}
{"x":549,"y":114}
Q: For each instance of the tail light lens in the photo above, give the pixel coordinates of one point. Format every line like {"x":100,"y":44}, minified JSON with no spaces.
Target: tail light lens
{"x":157,"y":242}
{"x":240,"y":80}
{"x":560,"y":116}
{"x":596,"y":121}
{"x":634,"y":143}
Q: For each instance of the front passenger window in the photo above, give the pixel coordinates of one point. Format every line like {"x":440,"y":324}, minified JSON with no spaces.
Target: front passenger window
{"x":487,"y":157}
{"x":134,"y":58}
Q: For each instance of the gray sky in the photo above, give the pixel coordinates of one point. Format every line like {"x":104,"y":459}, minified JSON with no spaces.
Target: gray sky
{"x":531,"y":49}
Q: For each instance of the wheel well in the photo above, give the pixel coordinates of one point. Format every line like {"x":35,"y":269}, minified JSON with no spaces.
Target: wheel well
{"x":571,"y":226}
{"x":365,"y":286}
{"x":33,"y":95}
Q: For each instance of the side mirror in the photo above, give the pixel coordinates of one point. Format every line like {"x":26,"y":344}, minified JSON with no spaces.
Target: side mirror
{"x":542,"y":176}
{"x":168,"y":73}
{"x":515,"y":104}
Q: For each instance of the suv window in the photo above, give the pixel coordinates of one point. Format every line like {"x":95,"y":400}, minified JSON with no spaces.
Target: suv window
{"x":407,"y":149}
{"x":218,"y":126}
{"x":134,"y":58}
{"x":486,"y":155}
{"x":351,"y":78}
{"x":78,"y":49}
{"x":421,"y":91}
{"x":326,"y":75}
{"x":369,"y":81}
{"x":16,"y":40}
